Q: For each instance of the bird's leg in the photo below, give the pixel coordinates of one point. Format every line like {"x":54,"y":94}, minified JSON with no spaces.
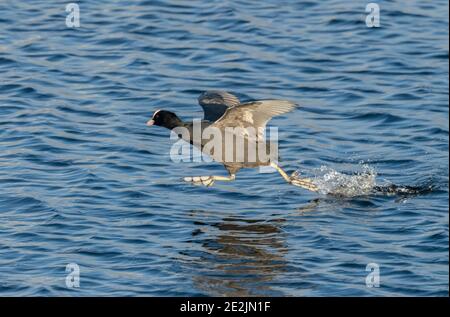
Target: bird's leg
{"x":208,"y":180}
{"x":295,"y":180}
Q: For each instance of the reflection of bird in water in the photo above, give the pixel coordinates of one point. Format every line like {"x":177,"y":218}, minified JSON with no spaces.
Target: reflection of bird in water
{"x":243,"y":256}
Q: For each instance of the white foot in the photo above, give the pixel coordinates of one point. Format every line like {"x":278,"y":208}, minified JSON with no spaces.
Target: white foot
{"x":303,"y":182}
{"x":200,"y":180}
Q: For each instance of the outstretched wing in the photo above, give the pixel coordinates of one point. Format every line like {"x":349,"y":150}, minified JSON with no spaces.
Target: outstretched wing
{"x":254,"y":115}
{"x":216,"y":102}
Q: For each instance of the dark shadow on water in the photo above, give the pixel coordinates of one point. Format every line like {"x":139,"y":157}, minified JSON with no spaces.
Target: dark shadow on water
{"x":404,"y":190}
{"x":391,"y":191}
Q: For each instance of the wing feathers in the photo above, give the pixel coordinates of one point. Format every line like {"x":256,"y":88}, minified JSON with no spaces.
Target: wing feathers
{"x":216,"y":102}
{"x":254,"y":115}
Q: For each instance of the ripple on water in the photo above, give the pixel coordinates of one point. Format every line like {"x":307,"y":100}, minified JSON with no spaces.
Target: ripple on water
{"x":83,"y":180}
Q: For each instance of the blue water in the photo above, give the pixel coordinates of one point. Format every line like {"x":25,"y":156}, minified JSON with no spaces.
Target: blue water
{"x":83,"y":180}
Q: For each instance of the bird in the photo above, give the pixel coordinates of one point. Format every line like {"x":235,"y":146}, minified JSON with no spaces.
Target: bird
{"x":225,"y":115}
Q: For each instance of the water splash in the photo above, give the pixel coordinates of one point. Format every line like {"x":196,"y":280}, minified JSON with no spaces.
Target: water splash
{"x":331,"y":182}
{"x":361,"y":183}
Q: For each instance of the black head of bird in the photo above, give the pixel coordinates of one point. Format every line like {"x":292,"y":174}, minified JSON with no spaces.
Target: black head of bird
{"x":164,"y":119}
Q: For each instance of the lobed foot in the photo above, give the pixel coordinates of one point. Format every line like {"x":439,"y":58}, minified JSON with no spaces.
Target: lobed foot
{"x":200,"y":180}
{"x":303,"y":182}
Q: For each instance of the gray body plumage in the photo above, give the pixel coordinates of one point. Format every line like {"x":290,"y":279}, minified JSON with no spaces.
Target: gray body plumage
{"x":232,"y":133}
{"x":246,"y":121}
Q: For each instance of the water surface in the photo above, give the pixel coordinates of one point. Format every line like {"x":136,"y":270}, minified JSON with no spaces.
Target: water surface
{"x":83,"y":180}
